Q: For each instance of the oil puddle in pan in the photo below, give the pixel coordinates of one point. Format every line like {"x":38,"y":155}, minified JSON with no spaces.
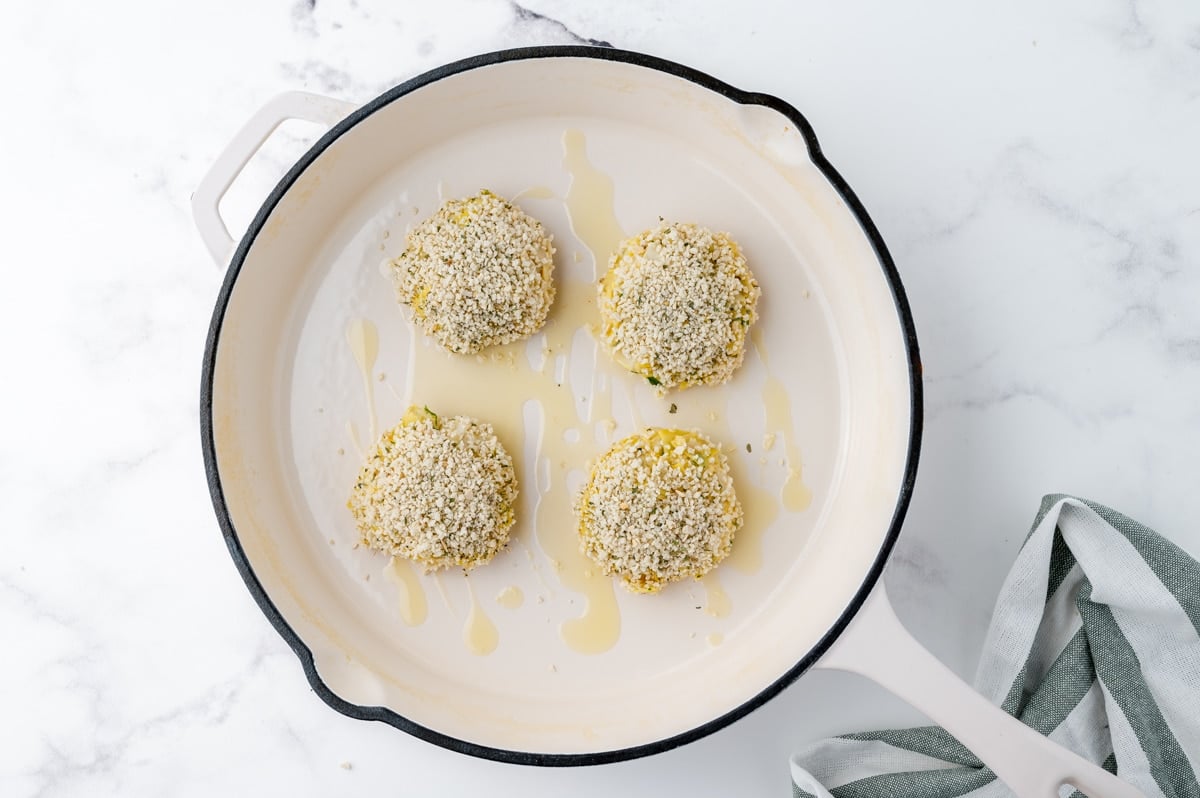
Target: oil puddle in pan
{"x":533,"y":395}
{"x":717,"y":602}
{"x":412,"y":604}
{"x":513,"y":382}
{"x":589,"y":201}
{"x":795,"y":495}
{"x":534,"y":192}
{"x":510,"y":597}
{"x":479,"y":633}
{"x":363,"y":338}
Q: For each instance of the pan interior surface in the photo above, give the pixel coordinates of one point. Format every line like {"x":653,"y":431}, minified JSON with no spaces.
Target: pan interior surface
{"x":290,"y":409}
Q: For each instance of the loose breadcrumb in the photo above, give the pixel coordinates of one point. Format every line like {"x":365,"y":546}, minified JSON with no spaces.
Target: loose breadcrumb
{"x":436,"y":490}
{"x":659,"y":507}
{"x":676,"y":304}
{"x":477,"y":273}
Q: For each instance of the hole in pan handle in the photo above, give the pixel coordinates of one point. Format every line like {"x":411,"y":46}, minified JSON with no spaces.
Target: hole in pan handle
{"x":877,"y":645}
{"x":229,"y":164}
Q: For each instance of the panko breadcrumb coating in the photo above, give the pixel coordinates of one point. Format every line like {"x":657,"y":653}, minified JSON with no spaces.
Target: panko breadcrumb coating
{"x":659,"y":507}
{"x":477,"y":273}
{"x":439,"y":491}
{"x":676,"y":304}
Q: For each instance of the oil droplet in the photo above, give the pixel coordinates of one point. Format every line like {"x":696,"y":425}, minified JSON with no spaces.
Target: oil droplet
{"x":510,"y":597}
{"x":590,"y":200}
{"x":715,"y":639}
{"x":364,"y":345}
{"x":441,"y":589}
{"x":760,"y":508}
{"x":534,"y":192}
{"x":352,"y":432}
{"x":413,"y":608}
{"x":795,"y":495}
{"x":479,"y":633}
{"x":718,"y":604}
{"x":760,"y":346}
{"x":597,"y":630}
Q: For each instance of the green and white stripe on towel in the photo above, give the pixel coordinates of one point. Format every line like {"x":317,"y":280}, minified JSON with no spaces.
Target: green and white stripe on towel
{"x":1095,"y":642}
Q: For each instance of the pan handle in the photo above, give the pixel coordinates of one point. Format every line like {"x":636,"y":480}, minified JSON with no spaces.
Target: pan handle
{"x":229,"y":164}
{"x":877,"y":645}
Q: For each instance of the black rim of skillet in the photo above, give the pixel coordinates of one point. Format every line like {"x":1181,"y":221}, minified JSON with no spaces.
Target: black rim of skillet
{"x":524,"y":757}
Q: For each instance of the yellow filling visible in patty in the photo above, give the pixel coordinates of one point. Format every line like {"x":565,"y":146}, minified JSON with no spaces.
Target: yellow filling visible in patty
{"x":676,"y":304}
{"x":436,"y":490}
{"x":477,"y":273}
{"x":659,"y":507}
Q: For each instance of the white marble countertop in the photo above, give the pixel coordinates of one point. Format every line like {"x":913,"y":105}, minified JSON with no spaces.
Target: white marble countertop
{"x":1032,"y":167}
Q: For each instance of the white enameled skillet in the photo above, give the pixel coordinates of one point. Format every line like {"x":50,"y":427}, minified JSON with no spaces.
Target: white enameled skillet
{"x":279,"y":386}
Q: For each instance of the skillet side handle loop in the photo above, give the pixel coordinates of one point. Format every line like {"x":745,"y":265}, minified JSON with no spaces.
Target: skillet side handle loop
{"x":877,"y":645}
{"x":229,"y":164}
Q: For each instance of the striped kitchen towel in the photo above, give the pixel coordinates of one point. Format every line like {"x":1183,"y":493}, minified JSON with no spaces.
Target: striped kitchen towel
{"x":1095,"y":641}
